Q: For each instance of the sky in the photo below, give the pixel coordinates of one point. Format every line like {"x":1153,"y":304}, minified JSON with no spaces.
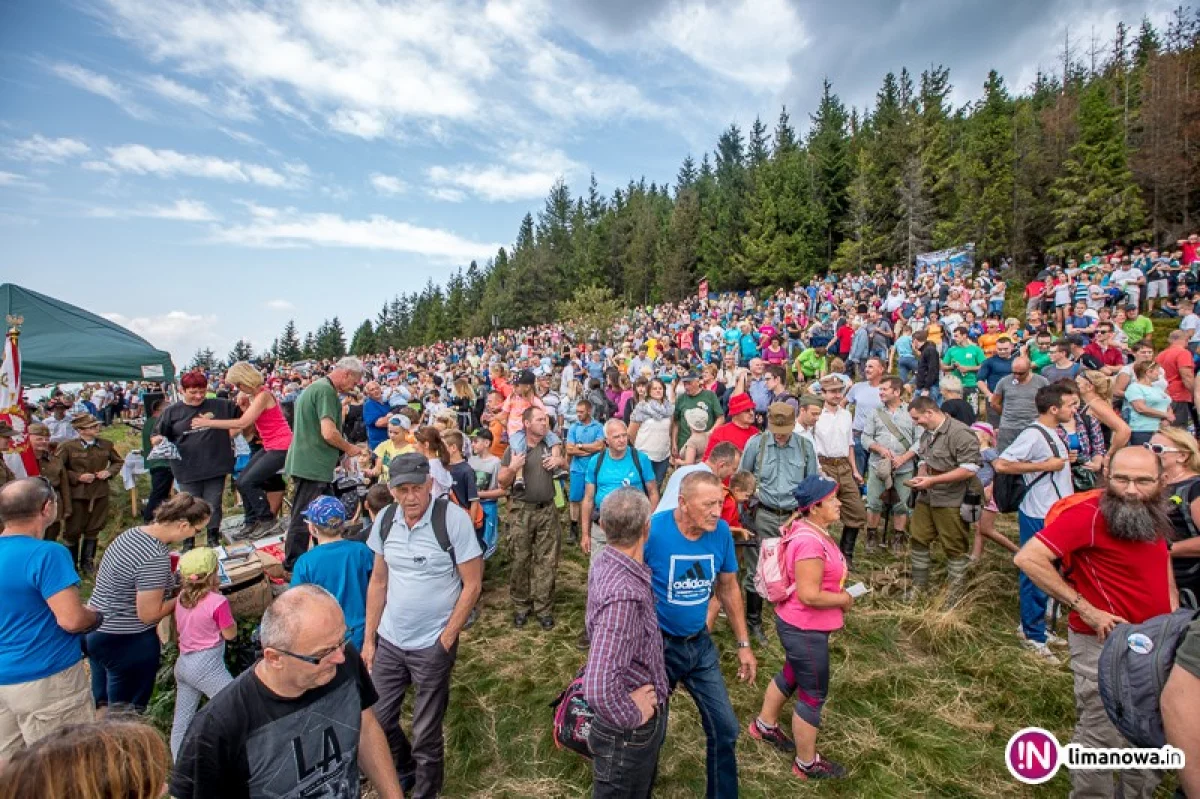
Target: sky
{"x":204,"y":171}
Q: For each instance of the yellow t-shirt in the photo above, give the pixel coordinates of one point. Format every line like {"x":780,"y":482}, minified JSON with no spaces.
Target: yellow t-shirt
{"x":385,"y":452}
{"x":652,"y":348}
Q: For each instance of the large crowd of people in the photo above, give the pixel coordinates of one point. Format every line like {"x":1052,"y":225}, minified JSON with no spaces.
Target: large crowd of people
{"x":717,"y":456}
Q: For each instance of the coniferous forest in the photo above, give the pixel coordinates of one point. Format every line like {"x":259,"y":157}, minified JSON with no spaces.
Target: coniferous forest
{"x":1103,"y":149}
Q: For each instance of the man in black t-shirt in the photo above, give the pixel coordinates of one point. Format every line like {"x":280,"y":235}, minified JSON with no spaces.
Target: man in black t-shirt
{"x":297,"y":724}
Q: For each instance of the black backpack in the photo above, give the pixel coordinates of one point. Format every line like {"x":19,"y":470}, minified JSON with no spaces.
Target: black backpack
{"x":637,"y":464}
{"x":437,"y":519}
{"x":602,"y":409}
{"x":1133,"y":668}
{"x":1009,"y":489}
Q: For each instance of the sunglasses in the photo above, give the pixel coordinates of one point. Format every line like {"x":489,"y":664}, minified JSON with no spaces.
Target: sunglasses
{"x":316,"y":659}
{"x":1159,"y":449}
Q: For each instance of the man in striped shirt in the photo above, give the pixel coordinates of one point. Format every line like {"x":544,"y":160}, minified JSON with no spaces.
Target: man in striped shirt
{"x":625,"y":681}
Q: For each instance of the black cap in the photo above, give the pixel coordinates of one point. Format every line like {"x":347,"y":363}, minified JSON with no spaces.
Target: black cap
{"x":526,"y":378}
{"x":407,"y":469}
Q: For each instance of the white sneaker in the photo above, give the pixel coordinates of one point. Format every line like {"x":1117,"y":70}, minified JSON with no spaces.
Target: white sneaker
{"x":1051,"y":638}
{"x":1042,"y":651}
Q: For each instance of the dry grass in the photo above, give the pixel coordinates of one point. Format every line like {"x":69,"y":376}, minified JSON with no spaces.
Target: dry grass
{"x":922,"y":700}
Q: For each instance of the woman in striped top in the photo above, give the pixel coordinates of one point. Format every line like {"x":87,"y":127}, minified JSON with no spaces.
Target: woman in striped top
{"x":134,"y":588}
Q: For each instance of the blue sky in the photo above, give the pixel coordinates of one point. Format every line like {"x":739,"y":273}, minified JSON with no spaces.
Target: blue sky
{"x":203,"y":171}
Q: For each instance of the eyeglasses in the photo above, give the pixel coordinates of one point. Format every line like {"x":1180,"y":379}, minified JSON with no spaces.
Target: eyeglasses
{"x":315,"y":660}
{"x":1140,"y":482}
{"x":1159,"y":449}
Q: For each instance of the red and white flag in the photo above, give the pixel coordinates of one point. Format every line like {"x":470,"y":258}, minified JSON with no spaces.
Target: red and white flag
{"x":18,"y":454}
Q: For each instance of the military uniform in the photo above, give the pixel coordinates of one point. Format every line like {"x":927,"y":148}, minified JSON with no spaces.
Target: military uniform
{"x":50,"y":466}
{"x":89,"y":501}
{"x":536,"y":536}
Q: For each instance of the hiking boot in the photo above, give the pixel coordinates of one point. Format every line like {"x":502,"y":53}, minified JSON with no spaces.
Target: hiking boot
{"x":87,"y":554}
{"x":519,"y":619}
{"x":872,"y":541}
{"x":546,"y":621}
{"x":821,"y":769}
{"x":771,"y":735}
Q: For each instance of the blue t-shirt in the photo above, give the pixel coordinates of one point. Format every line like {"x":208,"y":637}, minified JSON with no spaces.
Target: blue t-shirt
{"x":578,"y":434}
{"x":684,"y":573}
{"x":614,"y":474}
{"x":343,"y":568}
{"x":32,"y":645}
{"x":373,"y":411}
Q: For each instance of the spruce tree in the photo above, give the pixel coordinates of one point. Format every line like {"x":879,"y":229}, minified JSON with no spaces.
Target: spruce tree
{"x":290,"y":349}
{"x":1095,"y":201}
{"x":363,"y":342}
{"x":242,"y":351}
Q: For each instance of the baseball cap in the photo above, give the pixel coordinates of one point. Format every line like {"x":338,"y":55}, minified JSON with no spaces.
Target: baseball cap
{"x":326,"y":512}
{"x":781,"y":419}
{"x":526,"y":378}
{"x":408,"y":469}
{"x":197,"y":563}
{"x":813,"y":490}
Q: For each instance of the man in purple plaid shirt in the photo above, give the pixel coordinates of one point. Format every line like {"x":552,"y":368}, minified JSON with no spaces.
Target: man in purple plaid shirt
{"x":626,"y":678}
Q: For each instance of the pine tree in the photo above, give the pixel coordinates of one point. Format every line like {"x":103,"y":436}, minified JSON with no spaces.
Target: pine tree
{"x":363,"y":342}
{"x":1096,"y":201}
{"x":289,"y":349}
{"x":785,"y":134}
{"x":309,"y":348}
{"x":687,"y":175}
{"x":681,"y":247}
{"x":204,"y":360}
{"x":757,"y":152}
{"x":829,"y":155}
{"x":242,"y":351}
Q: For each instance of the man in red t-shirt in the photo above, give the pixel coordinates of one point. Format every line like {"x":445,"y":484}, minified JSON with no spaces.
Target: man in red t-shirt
{"x":1190,"y":248}
{"x":1106,"y":354}
{"x":1180,"y":371}
{"x":740,"y":427}
{"x":1114,"y":555}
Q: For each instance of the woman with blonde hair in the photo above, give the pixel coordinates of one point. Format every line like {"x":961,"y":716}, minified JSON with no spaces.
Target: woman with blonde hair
{"x":261,"y":409}
{"x":1095,"y":401}
{"x":112,"y":759}
{"x":1179,"y":454}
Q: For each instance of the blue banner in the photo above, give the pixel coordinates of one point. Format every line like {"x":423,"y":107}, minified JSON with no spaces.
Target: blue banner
{"x":957,"y":258}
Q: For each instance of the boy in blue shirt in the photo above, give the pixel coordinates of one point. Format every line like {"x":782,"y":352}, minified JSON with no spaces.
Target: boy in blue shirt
{"x":341,"y":567}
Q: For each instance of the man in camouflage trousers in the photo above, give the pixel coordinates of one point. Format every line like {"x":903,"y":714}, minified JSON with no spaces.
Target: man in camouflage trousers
{"x":90,"y":463}
{"x":533,"y":522}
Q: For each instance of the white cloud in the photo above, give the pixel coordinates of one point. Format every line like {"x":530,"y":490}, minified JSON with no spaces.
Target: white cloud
{"x":525,"y":174}
{"x":369,"y":69}
{"x":280,"y":305}
{"x":446,"y":195}
{"x":142,"y":160}
{"x":100,"y":85}
{"x":179,"y":211}
{"x":179,"y":332}
{"x":40,"y":148}
{"x":13,"y":180}
{"x":288,"y":227}
{"x":99,"y":166}
{"x":176,"y":92}
{"x":747,"y":41}
{"x":388,"y":184}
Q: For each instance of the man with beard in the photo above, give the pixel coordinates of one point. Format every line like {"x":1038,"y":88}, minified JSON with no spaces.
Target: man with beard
{"x":1113,"y":549}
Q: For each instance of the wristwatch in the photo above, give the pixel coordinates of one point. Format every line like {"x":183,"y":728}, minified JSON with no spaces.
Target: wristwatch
{"x":743,"y":644}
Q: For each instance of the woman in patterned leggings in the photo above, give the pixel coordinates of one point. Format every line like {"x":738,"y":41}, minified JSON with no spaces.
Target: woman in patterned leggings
{"x":205,"y":623}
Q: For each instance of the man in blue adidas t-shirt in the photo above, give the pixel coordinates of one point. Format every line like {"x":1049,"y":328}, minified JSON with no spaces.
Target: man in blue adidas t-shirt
{"x":43,"y":682}
{"x":612,"y":468}
{"x":691,"y":557}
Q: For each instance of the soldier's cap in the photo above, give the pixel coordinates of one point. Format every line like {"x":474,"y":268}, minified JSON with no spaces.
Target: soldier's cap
{"x":84,"y":420}
{"x":781,"y":419}
{"x":39,"y":429}
{"x":408,"y":469}
{"x":811,"y":401}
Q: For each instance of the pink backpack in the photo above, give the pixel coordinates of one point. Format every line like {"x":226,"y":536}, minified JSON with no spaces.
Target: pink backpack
{"x":773,"y":579}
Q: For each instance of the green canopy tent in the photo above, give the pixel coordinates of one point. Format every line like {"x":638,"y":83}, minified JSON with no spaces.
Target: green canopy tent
{"x":64,"y":344}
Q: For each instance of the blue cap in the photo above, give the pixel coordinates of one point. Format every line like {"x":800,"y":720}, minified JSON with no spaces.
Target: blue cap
{"x":326,"y":512}
{"x":813,"y":490}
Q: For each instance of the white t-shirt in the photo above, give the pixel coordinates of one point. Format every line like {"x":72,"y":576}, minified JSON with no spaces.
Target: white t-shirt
{"x":1031,"y":447}
{"x":1191,"y":322}
{"x":670,"y":493}
{"x":833,"y":434}
{"x":1123,"y":277}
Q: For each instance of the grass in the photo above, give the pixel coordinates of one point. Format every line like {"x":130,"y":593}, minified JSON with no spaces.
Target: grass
{"x":922,"y":701}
